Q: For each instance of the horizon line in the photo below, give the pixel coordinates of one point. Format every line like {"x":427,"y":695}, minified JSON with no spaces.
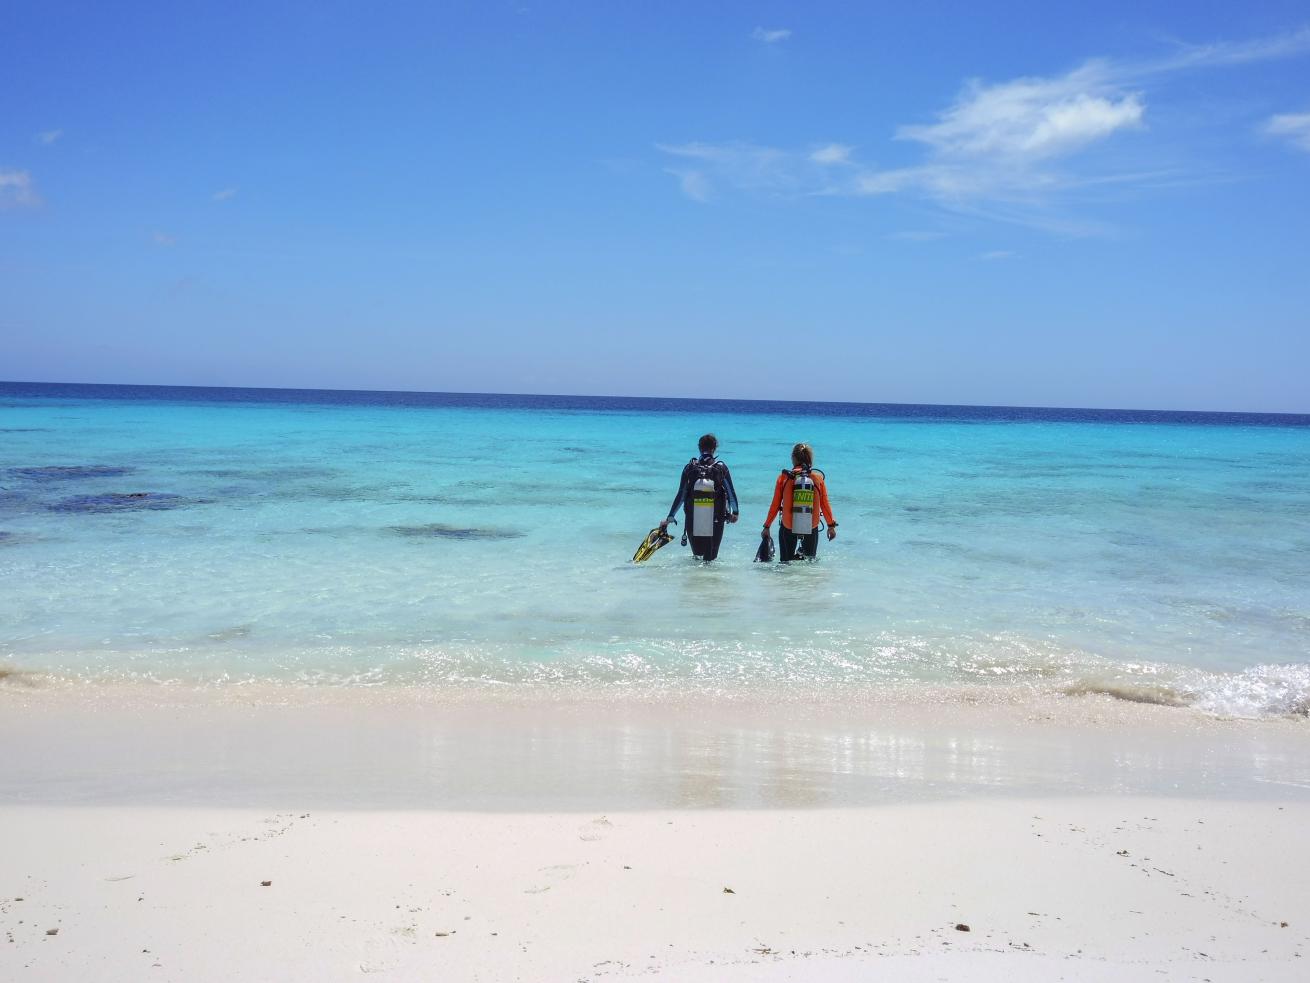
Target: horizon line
{"x":687,"y":399}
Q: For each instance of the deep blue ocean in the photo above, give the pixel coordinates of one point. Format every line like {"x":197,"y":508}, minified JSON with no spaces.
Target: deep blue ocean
{"x":211,"y":536}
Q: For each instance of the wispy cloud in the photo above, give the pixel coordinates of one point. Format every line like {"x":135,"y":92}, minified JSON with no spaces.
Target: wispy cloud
{"x":49,"y":137}
{"x":771,"y":35}
{"x":1018,"y":151}
{"x":916,"y":235}
{"x":1218,"y":53}
{"x":695,"y":185}
{"x":227,"y":194}
{"x":997,"y":254}
{"x":833,"y":153}
{"x":17,"y":190}
{"x":743,"y":166}
{"x":164,"y":239}
{"x":1293,"y":126}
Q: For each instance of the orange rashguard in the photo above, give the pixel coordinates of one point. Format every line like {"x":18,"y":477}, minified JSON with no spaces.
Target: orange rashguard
{"x":782,"y":497}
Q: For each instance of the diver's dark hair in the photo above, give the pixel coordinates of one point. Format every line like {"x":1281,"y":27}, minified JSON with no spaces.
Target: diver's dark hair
{"x":709,"y":444}
{"x":802,"y":455}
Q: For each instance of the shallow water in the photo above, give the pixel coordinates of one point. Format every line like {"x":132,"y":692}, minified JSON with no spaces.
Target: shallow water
{"x":230,"y":535}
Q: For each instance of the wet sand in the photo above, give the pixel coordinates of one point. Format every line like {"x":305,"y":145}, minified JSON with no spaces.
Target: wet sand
{"x":839,"y":836}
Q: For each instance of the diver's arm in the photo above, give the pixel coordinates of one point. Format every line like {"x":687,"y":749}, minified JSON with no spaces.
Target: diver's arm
{"x":733,"y":508}
{"x":775,"y":507}
{"x":677,"y":499}
{"x":827,"y":509}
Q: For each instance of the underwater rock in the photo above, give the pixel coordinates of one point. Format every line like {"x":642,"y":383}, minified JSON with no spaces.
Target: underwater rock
{"x":121,"y":502}
{"x":437,"y":530}
{"x":74,"y":472}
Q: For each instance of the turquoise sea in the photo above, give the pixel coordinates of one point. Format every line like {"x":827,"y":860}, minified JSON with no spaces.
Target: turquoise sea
{"x":219,"y":536}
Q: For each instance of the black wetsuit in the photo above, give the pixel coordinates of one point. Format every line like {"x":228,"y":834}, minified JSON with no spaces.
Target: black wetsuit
{"x":788,"y":543}
{"x":725,"y":502}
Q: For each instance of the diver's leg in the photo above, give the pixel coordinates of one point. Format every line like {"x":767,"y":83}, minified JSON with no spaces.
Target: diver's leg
{"x":715,"y":540}
{"x":700,"y":546}
{"x":810,"y":545}
{"x":786,"y":544}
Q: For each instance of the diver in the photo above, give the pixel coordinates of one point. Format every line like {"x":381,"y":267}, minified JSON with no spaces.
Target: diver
{"x":707,"y":498}
{"x":800,"y":495}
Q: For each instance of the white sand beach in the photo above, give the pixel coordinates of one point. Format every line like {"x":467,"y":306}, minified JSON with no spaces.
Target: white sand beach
{"x":425,"y":837}
{"x":1075,"y":889}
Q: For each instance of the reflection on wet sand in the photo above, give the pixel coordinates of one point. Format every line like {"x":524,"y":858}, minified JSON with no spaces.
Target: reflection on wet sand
{"x":546,"y":755}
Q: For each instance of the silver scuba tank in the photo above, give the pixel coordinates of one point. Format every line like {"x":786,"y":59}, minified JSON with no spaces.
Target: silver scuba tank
{"x":802,"y":505}
{"x":702,"y":507}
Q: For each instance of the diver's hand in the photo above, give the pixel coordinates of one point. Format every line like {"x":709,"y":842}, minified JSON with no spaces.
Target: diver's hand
{"x":664,"y":525}
{"x":764,"y":533}
{"x":732,"y":516}
{"x":832,"y":534}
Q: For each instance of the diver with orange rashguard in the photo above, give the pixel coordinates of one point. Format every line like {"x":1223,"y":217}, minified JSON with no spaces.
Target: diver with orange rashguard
{"x":799,"y":497}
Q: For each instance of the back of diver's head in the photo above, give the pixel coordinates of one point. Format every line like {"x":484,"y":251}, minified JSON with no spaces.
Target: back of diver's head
{"x":709,"y":444}
{"x":802,"y":456}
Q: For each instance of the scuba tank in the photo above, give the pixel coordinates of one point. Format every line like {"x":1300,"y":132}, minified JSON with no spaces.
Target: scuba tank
{"x":702,"y":506}
{"x":802,"y":504}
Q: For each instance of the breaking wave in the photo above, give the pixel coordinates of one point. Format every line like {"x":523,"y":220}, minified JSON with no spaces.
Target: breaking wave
{"x":1261,"y":691}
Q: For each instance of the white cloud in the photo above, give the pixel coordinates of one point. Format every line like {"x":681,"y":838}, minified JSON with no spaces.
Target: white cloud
{"x":1012,"y":151}
{"x":1030,"y":119}
{"x":1294,"y":126}
{"x":833,"y":153}
{"x":17,"y":190}
{"x":771,"y":36}
{"x":164,"y":239}
{"x":996,"y":254}
{"x":995,"y":143}
{"x":227,"y":194}
{"x":48,"y":137}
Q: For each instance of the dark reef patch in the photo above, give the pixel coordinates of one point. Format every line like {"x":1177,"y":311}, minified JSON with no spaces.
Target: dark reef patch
{"x":75,"y":472}
{"x":122,"y":502}
{"x":290,"y":472}
{"x":437,"y":530}
{"x":438,"y":499}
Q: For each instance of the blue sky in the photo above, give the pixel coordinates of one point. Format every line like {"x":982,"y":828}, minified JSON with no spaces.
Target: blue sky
{"x":1026,"y":203}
